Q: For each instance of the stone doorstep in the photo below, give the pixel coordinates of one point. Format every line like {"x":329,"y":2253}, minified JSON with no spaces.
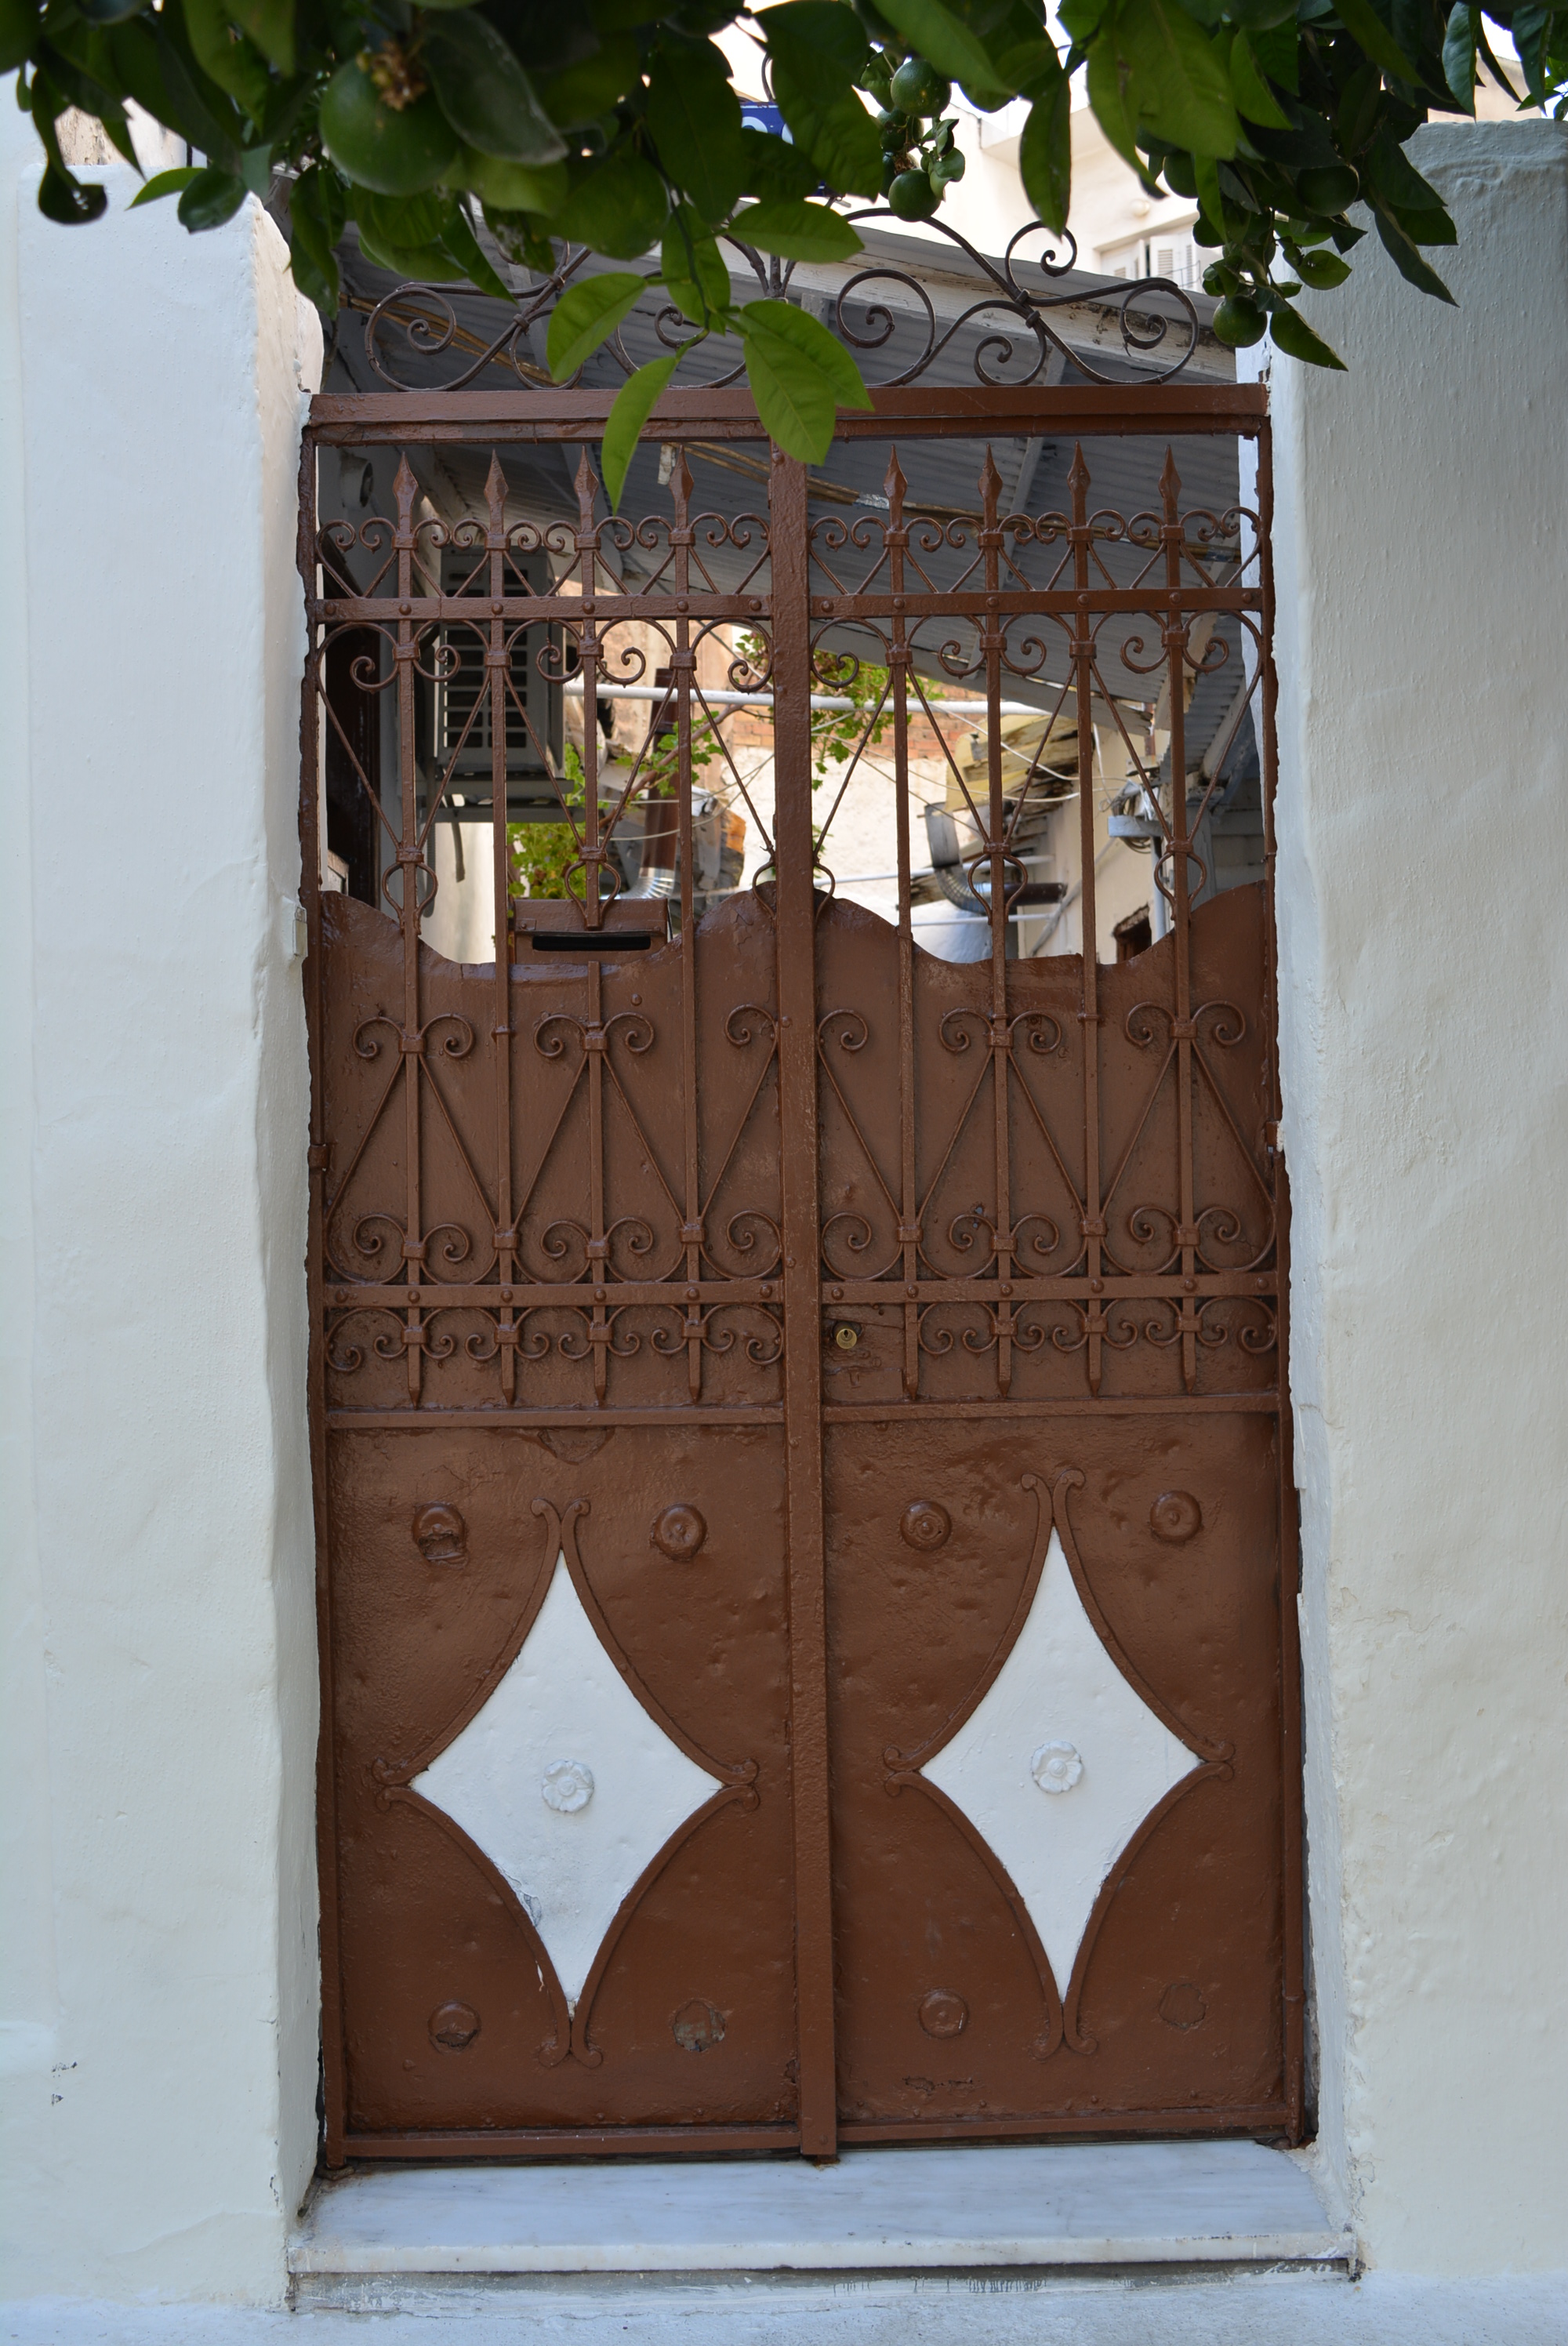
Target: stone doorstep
{"x":1111,"y":2207}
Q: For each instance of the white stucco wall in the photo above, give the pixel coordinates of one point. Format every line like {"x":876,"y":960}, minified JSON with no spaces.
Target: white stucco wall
{"x":1422,"y":564}
{"x":159,"y":1705}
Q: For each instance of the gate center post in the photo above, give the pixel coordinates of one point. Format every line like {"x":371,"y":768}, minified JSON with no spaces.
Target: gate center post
{"x":796,"y":948}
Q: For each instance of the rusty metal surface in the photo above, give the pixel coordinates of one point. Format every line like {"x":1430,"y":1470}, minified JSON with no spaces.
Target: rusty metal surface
{"x":882,"y":311}
{"x":787,"y":1273}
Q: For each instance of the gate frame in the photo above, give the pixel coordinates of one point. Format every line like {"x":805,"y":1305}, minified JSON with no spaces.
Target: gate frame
{"x":1100,"y":412}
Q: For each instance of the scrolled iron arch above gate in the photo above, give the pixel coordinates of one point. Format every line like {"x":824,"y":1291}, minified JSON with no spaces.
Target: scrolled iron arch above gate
{"x":1005,"y":338}
{"x":873,"y":1302}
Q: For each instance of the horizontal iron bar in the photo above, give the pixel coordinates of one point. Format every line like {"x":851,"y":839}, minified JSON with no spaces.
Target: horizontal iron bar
{"x":567,"y":2142}
{"x":608,"y":608}
{"x":422,"y":1417}
{"x":936,"y":412}
{"x":538,"y":1294}
{"x":1264,"y":1403}
{"x":1115,"y":1287}
{"x":542,"y":1294}
{"x":764,"y":699}
{"x":1255,"y":2118}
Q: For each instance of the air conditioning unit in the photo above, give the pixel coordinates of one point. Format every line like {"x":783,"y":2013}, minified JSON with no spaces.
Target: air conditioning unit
{"x":461,"y":715}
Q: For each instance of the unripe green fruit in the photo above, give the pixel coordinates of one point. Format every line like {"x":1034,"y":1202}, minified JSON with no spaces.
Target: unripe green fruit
{"x":1327,"y":188}
{"x":912,"y":197}
{"x":1239,"y":322}
{"x":919,"y":89}
{"x":394,"y":152}
{"x":895,"y":133}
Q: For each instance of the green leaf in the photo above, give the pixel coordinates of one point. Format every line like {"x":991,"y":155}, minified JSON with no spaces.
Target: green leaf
{"x":693,"y":270}
{"x":138,"y":67}
{"x":234,"y":63}
{"x":1293,"y":335}
{"x":270,"y":25}
{"x":1081,"y":19}
{"x":317,"y":213}
{"x":799,"y":376}
{"x":634,"y":405}
{"x":484,"y":93}
{"x":817,"y":49}
{"x":1322,"y":269}
{"x":797,"y":231}
{"x":1045,"y":154}
{"x":934,"y":33}
{"x":425,"y":264}
{"x":510,"y":186}
{"x":1414,"y":201}
{"x":587,"y":314}
{"x":1211,"y":203}
{"x":211,"y":198}
{"x":1183,"y":88}
{"x":1369,"y":33}
{"x":1459,"y":50}
{"x":618,"y":206}
{"x":837,"y":133}
{"x":457,"y":235}
{"x":1107,"y":80}
{"x":1254,"y":98}
{"x":165,"y":183}
{"x":200,"y":111}
{"x":694,"y":118}
{"x":19,"y":31}
{"x":1279,"y":52}
{"x":1406,"y":255}
{"x":817,"y":36}
{"x":591,"y":87}
{"x":774,"y":167}
{"x":63,"y":199}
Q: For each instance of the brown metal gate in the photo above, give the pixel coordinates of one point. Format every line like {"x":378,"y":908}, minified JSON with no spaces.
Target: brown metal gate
{"x":803,"y":1494}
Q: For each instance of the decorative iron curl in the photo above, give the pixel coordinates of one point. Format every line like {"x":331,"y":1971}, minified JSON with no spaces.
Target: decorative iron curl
{"x":1015,"y":337}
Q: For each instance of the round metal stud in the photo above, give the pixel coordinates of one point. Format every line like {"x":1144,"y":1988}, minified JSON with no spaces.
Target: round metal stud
{"x":1182,"y":2006}
{"x":453,"y":2027}
{"x":943,"y":2013}
{"x":697,"y":2027}
{"x":1056,"y":1767}
{"x":566,"y":1786}
{"x":440,"y":1534}
{"x":679,"y":1532}
{"x":1174,"y":1517}
{"x":925,"y":1525}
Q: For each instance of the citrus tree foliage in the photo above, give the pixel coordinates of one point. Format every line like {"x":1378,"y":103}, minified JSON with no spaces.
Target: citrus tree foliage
{"x":615,"y":124}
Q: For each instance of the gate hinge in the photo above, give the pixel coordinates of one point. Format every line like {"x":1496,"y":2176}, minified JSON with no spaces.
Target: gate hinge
{"x":319,"y":1156}
{"x":1271,"y":1139}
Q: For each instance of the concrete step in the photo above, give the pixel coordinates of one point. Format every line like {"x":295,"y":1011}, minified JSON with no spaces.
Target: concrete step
{"x":1107,"y":2208}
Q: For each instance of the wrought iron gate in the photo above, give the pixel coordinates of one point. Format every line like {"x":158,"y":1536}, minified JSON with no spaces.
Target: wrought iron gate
{"x":803,"y":1498}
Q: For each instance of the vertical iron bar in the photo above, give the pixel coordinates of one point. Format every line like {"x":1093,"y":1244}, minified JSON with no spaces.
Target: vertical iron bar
{"x":410,"y":864}
{"x":896,"y":538}
{"x":1175,"y":635}
{"x":587,"y":550}
{"x":333,"y":2079}
{"x":807,"y":1568}
{"x":991,"y":638}
{"x":684,"y":676}
{"x":1089,"y":1011}
{"x":496,"y":658}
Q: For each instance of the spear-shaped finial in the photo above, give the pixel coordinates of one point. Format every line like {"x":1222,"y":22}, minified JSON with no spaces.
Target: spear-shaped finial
{"x":894,"y":483}
{"x":495,"y":499}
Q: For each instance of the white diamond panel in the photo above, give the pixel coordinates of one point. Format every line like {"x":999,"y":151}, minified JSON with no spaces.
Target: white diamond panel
{"x":565,"y":1783}
{"x":1059,"y":1693}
